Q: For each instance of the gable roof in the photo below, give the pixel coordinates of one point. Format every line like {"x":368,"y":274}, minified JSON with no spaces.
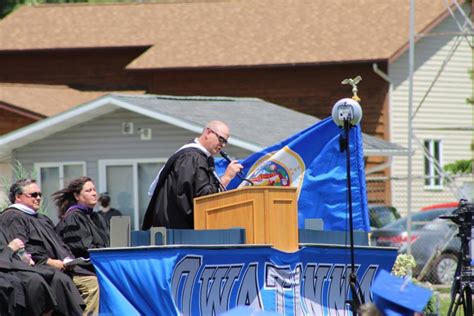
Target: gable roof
{"x":225,"y":33}
{"x":38,"y":99}
{"x":254,"y":123}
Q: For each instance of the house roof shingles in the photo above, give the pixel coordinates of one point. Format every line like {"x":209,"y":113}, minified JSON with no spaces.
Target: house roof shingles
{"x":39,"y":99}
{"x":225,"y":33}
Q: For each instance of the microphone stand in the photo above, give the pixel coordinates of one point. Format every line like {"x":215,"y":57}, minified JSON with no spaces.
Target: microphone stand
{"x":212,"y":169}
{"x":241,"y":177}
{"x":357,"y":296}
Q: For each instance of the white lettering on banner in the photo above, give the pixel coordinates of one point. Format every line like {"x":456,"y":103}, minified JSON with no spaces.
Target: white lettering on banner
{"x":366,"y":281}
{"x":216,"y":285}
{"x":314,"y":289}
{"x":284,"y":279}
{"x":186,"y":271}
{"x":249,"y":293}
{"x":338,"y":289}
{"x":314,"y":278}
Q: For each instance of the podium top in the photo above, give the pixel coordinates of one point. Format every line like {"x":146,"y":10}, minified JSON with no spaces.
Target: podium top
{"x":250,"y":188}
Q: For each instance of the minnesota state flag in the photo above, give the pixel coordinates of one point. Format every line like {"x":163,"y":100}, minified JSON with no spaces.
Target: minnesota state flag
{"x":313,"y":162}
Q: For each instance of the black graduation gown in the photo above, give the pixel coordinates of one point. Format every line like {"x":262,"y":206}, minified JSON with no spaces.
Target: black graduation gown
{"x":12,"y":294}
{"x":45,"y":287}
{"x":41,"y":241}
{"x":80,"y":233}
{"x":186,"y":175}
{"x":34,"y":295}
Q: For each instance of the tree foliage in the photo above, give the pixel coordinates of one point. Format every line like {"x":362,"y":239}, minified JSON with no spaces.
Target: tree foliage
{"x":8,"y":6}
{"x":459,"y":167}
{"x":18,"y":172}
{"x":463,"y":166}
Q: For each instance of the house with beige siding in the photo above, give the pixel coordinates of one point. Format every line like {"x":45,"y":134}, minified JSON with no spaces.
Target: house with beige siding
{"x":442,"y":119}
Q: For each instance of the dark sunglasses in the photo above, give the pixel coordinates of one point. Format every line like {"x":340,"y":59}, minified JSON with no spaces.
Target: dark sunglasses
{"x":221,"y":139}
{"x":33,"y":195}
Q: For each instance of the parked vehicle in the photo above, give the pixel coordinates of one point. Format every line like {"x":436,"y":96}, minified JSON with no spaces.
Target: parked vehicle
{"x":439,"y":206}
{"x":435,"y":249}
{"x":395,"y":234}
{"x":381,"y":215}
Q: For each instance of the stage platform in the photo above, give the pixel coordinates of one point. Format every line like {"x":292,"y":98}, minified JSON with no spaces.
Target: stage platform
{"x":210,"y":280}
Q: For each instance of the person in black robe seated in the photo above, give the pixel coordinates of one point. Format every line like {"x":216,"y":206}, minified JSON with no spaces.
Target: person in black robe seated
{"x":77,"y":226}
{"x":32,"y":295}
{"x":188,"y":174}
{"x":8,"y":303}
{"x":105,"y":210}
{"x":12,"y":292}
{"x":21,"y":220}
{"x":45,"y":287}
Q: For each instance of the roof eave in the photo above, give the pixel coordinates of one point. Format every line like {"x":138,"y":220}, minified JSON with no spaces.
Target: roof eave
{"x":20,"y":111}
{"x":66,"y":49}
{"x":263,"y":66}
{"x":53,"y":124}
{"x":400,"y":51}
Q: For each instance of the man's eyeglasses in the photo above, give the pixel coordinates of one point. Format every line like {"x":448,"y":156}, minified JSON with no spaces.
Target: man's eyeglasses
{"x":221,"y":139}
{"x":33,"y":195}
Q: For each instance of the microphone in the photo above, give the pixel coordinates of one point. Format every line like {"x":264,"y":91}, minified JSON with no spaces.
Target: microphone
{"x":225,"y":156}
{"x":239,"y":174}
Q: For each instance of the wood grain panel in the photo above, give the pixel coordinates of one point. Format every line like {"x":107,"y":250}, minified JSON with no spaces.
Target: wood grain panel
{"x":268,"y":214}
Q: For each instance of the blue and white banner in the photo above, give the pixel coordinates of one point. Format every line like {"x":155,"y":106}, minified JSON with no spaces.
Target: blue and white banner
{"x":199,"y":281}
{"x":313,"y":162}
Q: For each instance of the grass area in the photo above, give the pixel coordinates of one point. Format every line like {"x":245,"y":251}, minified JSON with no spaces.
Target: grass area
{"x":445,"y":301}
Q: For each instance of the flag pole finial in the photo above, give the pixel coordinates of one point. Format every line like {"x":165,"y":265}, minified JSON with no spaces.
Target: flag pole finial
{"x":353,"y":83}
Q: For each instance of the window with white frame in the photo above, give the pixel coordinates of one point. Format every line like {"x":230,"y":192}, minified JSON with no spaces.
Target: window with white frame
{"x":433,"y":164}
{"x":54,"y":176}
{"x":127,"y":181}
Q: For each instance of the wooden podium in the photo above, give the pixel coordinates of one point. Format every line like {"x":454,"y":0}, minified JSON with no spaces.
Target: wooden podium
{"x":268,"y":214}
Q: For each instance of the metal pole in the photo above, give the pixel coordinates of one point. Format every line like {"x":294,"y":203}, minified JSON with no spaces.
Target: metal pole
{"x":357,"y":296}
{"x":411,"y":58}
{"x":347,"y":128}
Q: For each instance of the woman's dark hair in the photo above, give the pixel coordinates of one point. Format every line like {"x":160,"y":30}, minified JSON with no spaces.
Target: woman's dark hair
{"x":17,"y":188}
{"x":104,"y":199}
{"x":65,"y":198}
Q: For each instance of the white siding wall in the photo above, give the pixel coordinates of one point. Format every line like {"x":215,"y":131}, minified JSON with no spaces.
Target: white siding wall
{"x":102,"y":138}
{"x":444,"y":109}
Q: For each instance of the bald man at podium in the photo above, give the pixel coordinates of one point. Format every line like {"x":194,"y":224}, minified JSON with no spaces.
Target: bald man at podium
{"x":189,"y":173}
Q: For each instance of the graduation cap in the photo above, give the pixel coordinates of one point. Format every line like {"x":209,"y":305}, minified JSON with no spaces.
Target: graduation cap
{"x":398,"y":296}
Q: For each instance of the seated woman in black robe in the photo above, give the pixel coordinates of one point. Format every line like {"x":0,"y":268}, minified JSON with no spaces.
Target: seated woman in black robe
{"x":48,"y":251}
{"x":45,"y":288}
{"x":30,"y":293}
{"x":79,"y":227}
